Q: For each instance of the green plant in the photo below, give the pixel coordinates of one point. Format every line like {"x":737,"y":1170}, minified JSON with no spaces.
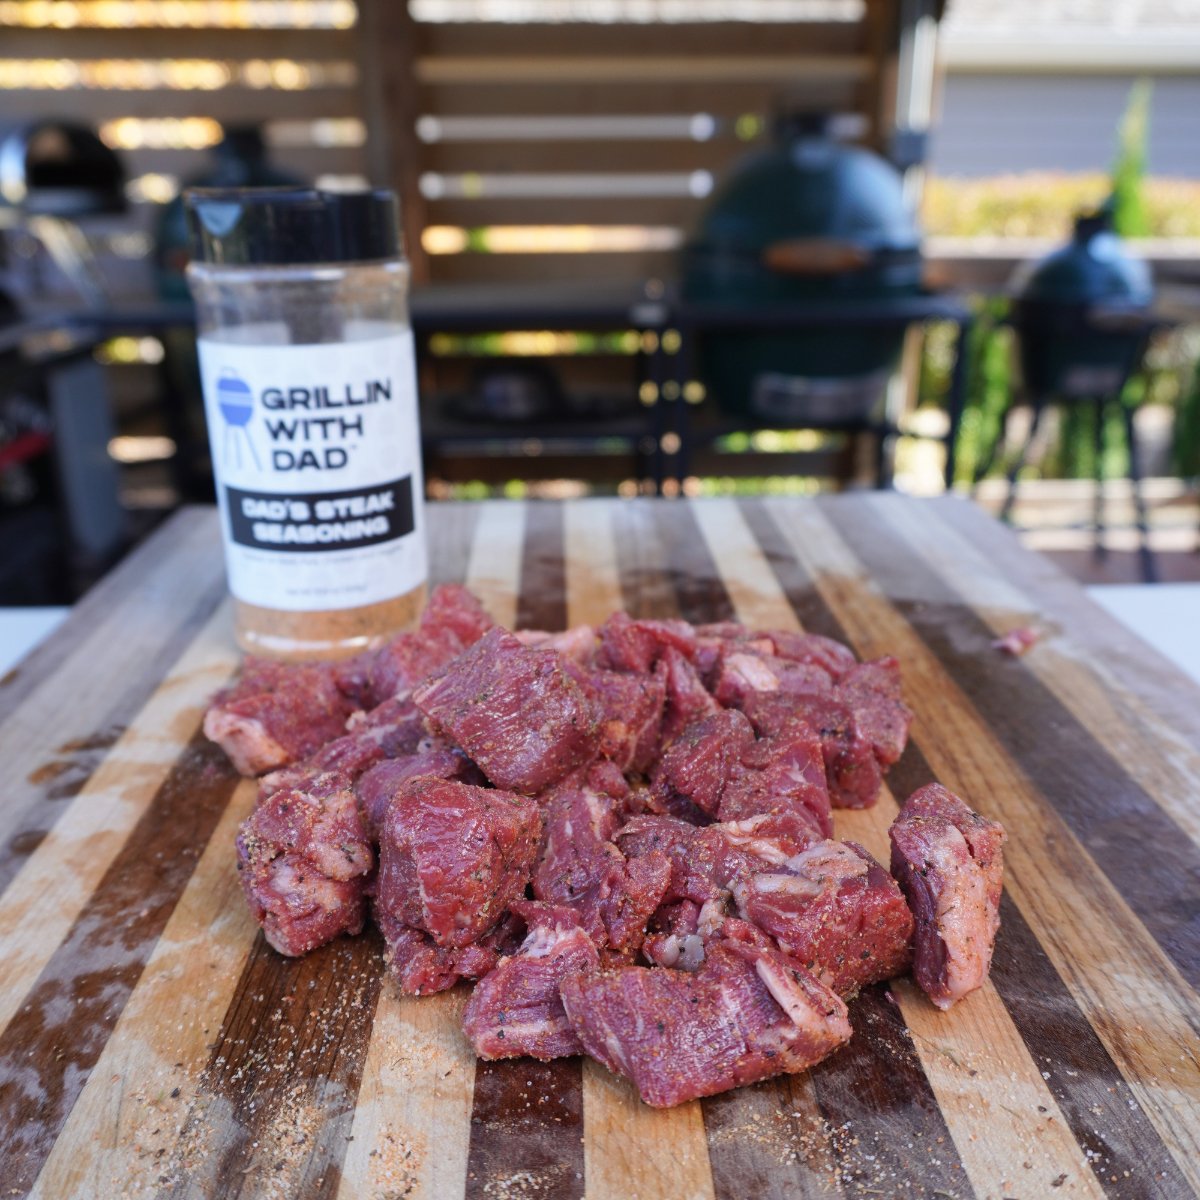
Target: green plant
{"x":1185,"y":449}
{"x":1130,"y":217}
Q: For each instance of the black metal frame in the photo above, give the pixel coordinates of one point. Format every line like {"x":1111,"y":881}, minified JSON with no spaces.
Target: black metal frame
{"x":1144,"y":326}
{"x":695,"y":320}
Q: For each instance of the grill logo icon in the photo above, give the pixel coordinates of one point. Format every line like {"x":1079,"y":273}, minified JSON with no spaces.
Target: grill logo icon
{"x":235,"y":401}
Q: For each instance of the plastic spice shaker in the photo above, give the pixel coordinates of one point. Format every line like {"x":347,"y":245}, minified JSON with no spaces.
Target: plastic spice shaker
{"x":306,"y":359}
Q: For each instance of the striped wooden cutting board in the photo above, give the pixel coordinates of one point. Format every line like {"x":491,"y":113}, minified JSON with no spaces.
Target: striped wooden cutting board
{"x":151,"y":1044}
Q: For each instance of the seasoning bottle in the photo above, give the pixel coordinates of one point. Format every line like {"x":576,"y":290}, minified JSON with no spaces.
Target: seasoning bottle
{"x":306,"y":361}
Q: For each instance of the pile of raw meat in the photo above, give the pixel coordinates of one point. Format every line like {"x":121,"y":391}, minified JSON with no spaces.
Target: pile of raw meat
{"x":623,"y":834}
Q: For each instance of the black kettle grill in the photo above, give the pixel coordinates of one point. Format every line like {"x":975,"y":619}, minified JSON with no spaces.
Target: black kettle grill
{"x":54,"y":174}
{"x":1079,"y":313}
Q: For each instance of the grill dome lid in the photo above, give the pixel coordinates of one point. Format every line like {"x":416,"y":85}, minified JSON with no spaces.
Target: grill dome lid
{"x":1094,"y":268}
{"x":808,"y":186}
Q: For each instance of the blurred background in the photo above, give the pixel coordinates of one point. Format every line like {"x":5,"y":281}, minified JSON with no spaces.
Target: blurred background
{"x":690,"y":247}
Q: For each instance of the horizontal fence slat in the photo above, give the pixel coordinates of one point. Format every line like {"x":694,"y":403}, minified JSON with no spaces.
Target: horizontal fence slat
{"x":524,"y":268}
{"x":225,"y":44}
{"x":94,"y":105}
{"x":306,"y":161}
{"x":588,"y":156}
{"x":645,"y":96}
{"x":665,"y":210}
{"x":668,"y":38}
{"x":610,"y":69}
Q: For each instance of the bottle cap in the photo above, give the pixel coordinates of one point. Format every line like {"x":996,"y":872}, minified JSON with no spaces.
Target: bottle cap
{"x":280,"y":226}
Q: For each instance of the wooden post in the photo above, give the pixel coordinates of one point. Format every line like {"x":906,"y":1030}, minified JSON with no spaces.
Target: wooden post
{"x":390,"y":46}
{"x":882,"y":43}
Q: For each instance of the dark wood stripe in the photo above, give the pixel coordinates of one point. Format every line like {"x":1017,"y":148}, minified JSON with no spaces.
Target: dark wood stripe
{"x":767,"y":1142}
{"x":1042,"y":1009}
{"x":283,"y":1075}
{"x":35,"y":804}
{"x":526,"y":1116}
{"x":1157,"y":870}
{"x":527,"y":1130}
{"x":877,"y":1080}
{"x":50,"y":1046}
{"x":700,"y":593}
{"x":450,"y":530}
{"x":542,"y":600}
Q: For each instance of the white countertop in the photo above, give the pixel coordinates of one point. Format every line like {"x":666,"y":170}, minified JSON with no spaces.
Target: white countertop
{"x":1167,"y":615}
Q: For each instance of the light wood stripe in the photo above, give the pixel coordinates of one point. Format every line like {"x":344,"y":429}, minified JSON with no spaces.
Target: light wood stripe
{"x":629,"y":1149}
{"x":494,"y":567}
{"x":1142,"y":1010}
{"x":747,"y":576}
{"x":160,"y":1043}
{"x":1084,"y":683}
{"x":413,"y":1120}
{"x":42,"y":902}
{"x":412,"y":1126}
{"x":593,"y":577}
{"x":68,"y":718}
{"x":964,"y":1076}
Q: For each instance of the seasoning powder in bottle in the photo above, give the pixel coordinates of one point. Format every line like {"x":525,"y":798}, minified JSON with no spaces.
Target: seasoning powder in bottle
{"x":306,"y":359}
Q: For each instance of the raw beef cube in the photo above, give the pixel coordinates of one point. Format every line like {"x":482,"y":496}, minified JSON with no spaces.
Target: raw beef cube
{"x":516,"y":1009}
{"x":740,"y":674}
{"x":783,"y":773}
{"x":688,"y":700}
{"x":399,"y":665}
{"x":577,"y":644}
{"x":693,"y":874}
{"x":852,"y":771}
{"x":718,"y":767}
{"x":699,"y":763}
{"x":275,"y":714}
{"x":453,"y":608}
{"x":706,"y":862}
{"x":393,"y":728}
{"x":630,"y":900}
{"x":747,"y":1014}
{"x":950,"y":863}
{"x":872,"y":692}
{"x":581,"y":867}
{"x":516,"y":712}
{"x":630,"y":712}
{"x":377,"y":787}
{"x":834,"y":908}
{"x":715,"y":642}
{"x":577,"y":850}
{"x":421,"y":967}
{"x":303,"y":858}
{"x":629,"y":645}
{"x":452,"y":857}
{"x":453,"y":619}
{"x":832,"y":657}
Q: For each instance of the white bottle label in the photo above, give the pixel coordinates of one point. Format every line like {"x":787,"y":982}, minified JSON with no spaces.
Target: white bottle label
{"x":317,"y":460}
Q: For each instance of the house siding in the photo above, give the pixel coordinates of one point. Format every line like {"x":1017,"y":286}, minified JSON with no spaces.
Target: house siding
{"x":992,"y":124}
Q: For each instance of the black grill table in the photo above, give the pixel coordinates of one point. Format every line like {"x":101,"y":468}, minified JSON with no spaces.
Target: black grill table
{"x":695,"y":321}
